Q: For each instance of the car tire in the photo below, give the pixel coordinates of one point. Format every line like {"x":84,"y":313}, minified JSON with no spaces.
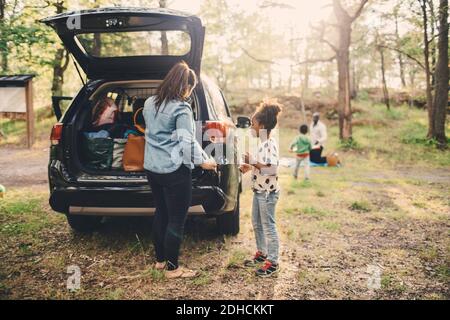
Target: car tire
{"x":228,"y":223}
{"x":84,"y":224}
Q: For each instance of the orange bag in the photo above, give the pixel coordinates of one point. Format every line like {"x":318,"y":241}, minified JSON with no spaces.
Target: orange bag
{"x":333,"y":160}
{"x":133,"y":156}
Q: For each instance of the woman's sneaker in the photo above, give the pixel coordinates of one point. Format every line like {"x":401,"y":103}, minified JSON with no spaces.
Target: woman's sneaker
{"x":268,"y":270}
{"x":257,"y":259}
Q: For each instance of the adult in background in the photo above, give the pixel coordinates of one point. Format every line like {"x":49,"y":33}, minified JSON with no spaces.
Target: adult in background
{"x":318,"y":139}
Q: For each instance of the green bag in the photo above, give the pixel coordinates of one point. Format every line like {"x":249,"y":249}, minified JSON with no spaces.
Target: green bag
{"x":97,"y":153}
{"x":118,"y":150}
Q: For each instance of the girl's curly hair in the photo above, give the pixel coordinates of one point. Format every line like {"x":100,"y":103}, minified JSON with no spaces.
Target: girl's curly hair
{"x":267,"y":114}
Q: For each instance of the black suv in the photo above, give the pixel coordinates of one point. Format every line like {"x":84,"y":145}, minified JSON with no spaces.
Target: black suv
{"x":126,"y":52}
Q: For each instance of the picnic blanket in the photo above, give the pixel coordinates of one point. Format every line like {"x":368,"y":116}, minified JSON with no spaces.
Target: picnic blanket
{"x":290,"y":163}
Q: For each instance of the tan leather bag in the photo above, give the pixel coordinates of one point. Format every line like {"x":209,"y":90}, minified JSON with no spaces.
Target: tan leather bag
{"x":133,"y":156}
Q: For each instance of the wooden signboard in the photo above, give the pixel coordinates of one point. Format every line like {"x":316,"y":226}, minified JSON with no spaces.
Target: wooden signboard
{"x":16,"y":101}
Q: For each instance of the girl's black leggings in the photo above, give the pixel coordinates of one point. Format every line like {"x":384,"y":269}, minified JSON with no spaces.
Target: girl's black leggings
{"x":172,"y":193}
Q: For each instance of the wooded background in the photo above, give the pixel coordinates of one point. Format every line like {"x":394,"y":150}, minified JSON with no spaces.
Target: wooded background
{"x":397,"y":49}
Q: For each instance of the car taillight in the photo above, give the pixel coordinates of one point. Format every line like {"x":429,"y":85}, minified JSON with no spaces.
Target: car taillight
{"x":216,"y":130}
{"x":56,"y":134}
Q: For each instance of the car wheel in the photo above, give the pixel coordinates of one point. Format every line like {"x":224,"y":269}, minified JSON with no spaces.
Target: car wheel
{"x":228,"y":223}
{"x":84,"y":224}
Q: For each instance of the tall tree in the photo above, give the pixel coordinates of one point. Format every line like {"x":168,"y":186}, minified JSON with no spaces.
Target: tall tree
{"x":164,"y":40}
{"x":344,"y":26}
{"x":426,"y":54}
{"x":442,"y":77}
{"x":383,"y":79}
{"x":401,"y":63}
{"x":3,"y":44}
{"x":61,"y":60}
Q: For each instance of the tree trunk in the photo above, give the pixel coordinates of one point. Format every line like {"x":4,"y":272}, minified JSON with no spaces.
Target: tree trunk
{"x":442,"y":77}
{"x":432,"y":42}
{"x":58,"y":66}
{"x":58,"y":73}
{"x":305,"y":86}
{"x":5,"y":61}
{"x":353,"y":87}
{"x":343,"y":62}
{"x":269,"y":76}
{"x":292,"y":58}
{"x":291,"y":71}
{"x":383,"y":77}
{"x":401,"y":63}
{"x":2,"y":9}
{"x":4,"y":52}
{"x":344,"y":22}
{"x":164,"y":40}
{"x":97,"y":46}
{"x":344,"y":102}
{"x":426,"y":53}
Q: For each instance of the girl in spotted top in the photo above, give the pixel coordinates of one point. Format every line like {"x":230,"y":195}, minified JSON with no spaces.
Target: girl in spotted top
{"x":263,"y":167}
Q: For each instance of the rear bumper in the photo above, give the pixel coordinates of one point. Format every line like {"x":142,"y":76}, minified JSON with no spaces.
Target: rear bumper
{"x":213,"y":195}
{"x":212,"y":199}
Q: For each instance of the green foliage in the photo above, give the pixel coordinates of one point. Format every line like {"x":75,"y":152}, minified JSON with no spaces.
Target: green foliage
{"x":360,"y":206}
{"x":349,"y":144}
{"x":416,"y":133}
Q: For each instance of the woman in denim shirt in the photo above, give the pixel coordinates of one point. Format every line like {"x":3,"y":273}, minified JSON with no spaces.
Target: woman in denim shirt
{"x":171,"y":152}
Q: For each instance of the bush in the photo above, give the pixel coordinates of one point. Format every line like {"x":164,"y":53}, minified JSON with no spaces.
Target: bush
{"x":416,"y":133}
{"x":360,"y":206}
{"x":349,"y":144}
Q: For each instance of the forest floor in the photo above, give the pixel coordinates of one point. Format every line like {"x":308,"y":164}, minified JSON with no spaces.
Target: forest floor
{"x":376,"y":228}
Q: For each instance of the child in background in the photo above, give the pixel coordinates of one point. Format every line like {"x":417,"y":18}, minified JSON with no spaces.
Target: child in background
{"x":265,"y":190}
{"x":302,"y":146}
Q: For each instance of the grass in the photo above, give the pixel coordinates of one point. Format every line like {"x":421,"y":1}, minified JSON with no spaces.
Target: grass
{"x":331,"y":227}
{"x":429,"y":254}
{"x":444,"y":272}
{"x":15,"y":131}
{"x":15,"y":207}
{"x":155,"y":275}
{"x":360,"y":206}
{"x":315,"y":212}
{"x":115,"y":294}
{"x":236,"y":258}
{"x":350,"y":144}
{"x":24,"y":213}
{"x":203,"y":279}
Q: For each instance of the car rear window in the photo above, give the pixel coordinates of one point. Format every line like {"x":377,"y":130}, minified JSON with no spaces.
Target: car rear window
{"x":135,"y":43}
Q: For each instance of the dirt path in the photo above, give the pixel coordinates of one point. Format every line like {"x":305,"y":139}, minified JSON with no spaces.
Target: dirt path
{"x":22,"y":167}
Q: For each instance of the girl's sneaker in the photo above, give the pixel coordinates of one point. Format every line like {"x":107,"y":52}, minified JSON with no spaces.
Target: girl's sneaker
{"x":268,"y":269}
{"x":257,"y":259}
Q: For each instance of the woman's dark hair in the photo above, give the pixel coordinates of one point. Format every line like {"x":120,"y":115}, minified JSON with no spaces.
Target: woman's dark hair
{"x":303,"y":129}
{"x":267,"y":114}
{"x":176,"y":85}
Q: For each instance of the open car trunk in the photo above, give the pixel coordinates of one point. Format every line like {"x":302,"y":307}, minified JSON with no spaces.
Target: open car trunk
{"x":101,"y":156}
{"x":95,"y":161}
{"x":130,"y":43}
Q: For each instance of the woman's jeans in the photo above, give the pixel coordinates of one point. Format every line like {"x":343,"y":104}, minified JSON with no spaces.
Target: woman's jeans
{"x":263,"y":220}
{"x":172,"y":194}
